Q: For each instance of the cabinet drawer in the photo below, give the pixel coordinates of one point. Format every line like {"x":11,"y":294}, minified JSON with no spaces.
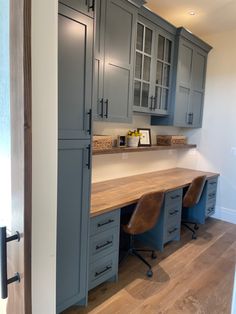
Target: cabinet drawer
{"x":104,"y":243}
{"x":103,"y":269}
{"x":104,"y":222}
{"x":173,"y":197}
{"x":210,"y":209}
{"x":173,"y":215}
{"x":172,"y":232}
{"x":212,"y":184}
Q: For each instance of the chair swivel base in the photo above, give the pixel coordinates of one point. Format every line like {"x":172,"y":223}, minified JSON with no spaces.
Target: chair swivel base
{"x":135,"y":252}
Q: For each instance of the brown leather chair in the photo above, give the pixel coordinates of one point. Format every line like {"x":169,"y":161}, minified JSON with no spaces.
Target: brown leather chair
{"x":190,"y":199}
{"x":144,"y":218}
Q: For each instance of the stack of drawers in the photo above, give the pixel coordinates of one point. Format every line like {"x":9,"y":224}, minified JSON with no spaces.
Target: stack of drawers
{"x":172,"y":215}
{"x":104,"y":247}
{"x":211,"y":196}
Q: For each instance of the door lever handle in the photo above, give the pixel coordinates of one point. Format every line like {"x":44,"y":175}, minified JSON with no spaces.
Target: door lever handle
{"x":4,"y":281}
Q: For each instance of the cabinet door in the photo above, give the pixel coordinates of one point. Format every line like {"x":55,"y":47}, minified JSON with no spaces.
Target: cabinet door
{"x":163,"y":66}
{"x":72,"y":222}
{"x":120,"y":23}
{"x":75,"y":36}
{"x":98,"y":104}
{"x":144,"y":67}
{"x":83,"y":6}
{"x":183,"y":84}
{"x":198,"y":87}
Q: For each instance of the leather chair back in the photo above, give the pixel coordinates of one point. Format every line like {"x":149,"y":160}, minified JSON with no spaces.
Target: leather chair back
{"x":146,"y":213}
{"x":194,"y":192}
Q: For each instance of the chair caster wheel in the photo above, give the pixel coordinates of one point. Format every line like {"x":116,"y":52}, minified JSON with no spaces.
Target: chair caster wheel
{"x":196,"y":227}
{"x":194,"y":237}
{"x":153,"y":256}
{"x":149,"y":273}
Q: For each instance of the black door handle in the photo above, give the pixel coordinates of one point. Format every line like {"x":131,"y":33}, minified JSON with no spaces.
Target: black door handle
{"x":92,"y":6}
{"x":3,"y":261}
{"x":102,"y":105}
{"x":88,"y":164}
{"x":106,"y":103}
{"x":90,"y":122}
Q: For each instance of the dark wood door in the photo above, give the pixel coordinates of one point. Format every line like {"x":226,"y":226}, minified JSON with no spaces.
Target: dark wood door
{"x":19,"y":253}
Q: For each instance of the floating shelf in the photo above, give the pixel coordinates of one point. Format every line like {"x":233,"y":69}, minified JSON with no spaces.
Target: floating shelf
{"x":119,"y":150}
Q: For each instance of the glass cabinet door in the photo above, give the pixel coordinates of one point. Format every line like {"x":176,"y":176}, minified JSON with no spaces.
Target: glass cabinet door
{"x":143,"y":66}
{"x":163,"y":70}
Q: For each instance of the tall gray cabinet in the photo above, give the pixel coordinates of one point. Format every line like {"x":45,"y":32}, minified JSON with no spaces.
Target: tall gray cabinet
{"x":75,"y":44}
{"x":114,"y":60}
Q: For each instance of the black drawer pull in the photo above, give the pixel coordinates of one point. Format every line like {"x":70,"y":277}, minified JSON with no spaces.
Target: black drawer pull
{"x":211,"y":195}
{"x":103,"y":271}
{"x":173,"y":230}
{"x":212,"y":183}
{"x":105,"y":223}
{"x":175,"y":197}
{"x":88,"y":164}
{"x":98,"y":247}
{"x":174,"y":212}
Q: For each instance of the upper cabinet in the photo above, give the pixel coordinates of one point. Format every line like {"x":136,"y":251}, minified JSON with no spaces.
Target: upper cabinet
{"x":153,"y":68}
{"x":75,"y":66}
{"x":189,"y":82}
{"x":114,"y":60}
{"x":84,"y":6}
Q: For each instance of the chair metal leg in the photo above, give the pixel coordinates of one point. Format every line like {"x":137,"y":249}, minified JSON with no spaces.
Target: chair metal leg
{"x":149,"y":272}
{"x":153,"y":255}
{"x":194,"y":236}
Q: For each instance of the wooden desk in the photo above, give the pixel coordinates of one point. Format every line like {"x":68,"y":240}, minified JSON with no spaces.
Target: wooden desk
{"x":117,"y":193}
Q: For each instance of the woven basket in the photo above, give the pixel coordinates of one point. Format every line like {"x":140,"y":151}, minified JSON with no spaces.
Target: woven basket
{"x":167,"y":140}
{"x":101,"y":142}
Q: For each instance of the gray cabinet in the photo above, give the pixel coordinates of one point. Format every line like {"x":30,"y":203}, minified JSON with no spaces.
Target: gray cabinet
{"x":84,"y":6}
{"x":75,"y":38}
{"x":114,"y":60}
{"x":75,"y":44}
{"x":72,"y":222}
{"x":189,"y":86}
{"x":153,"y":68}
{"x":104,"y":248}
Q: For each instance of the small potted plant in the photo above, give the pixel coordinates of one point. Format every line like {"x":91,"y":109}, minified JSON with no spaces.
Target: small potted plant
{"x":133,"y":137}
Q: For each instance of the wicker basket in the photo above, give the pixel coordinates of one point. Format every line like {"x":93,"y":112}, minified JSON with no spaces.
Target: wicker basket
{"x":168,"y":140}
{"x":101,"y":142}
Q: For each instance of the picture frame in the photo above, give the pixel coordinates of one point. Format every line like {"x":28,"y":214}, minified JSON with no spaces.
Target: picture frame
{"x":121,"y":141}
{"x":145,"y":139}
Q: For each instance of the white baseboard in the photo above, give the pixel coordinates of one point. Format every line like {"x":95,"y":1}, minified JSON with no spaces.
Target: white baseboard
{"x":226,"y":214}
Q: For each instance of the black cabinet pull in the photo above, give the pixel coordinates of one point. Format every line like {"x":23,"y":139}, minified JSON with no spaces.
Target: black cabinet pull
{"x":211,"y":195}
{"x":210,"y":210}
{"x":173,"y":230}
{"x":103,"y":271}
{"x":102,"y":105}
{"x":98,"y":247}
{"x":151,"y":105}
{"x":90,"y":122}
{"x":174,"y":212}
{"x":212,"y":183}
{"x":92,"y":6}
{"x":88,"y":164}
{"x":175,"y":197}
{"x":106,"y":103}
{"x":105,"y":223}
{"x":3,"y":261}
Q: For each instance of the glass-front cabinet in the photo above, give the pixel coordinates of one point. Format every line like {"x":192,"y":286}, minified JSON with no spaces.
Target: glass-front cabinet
{"x":153,"y":67}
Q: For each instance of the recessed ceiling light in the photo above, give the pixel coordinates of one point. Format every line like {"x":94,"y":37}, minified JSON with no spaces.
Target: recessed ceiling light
{"x":192,"y":12}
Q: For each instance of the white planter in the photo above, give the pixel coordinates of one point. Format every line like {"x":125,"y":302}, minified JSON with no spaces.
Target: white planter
{"x":132,"y":141}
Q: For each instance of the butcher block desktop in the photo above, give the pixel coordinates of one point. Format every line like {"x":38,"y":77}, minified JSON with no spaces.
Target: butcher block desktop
{"x":117,"y":193}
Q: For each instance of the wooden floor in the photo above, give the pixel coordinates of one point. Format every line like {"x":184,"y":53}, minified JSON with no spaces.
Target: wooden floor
{"x":190,"y":276}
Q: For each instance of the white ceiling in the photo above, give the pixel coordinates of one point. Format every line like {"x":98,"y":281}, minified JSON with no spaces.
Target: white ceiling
{"x":212,"y":16}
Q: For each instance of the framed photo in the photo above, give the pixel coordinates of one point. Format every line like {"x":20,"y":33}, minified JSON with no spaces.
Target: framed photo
{"x":121,"y":141}
{"x":145,"y":139}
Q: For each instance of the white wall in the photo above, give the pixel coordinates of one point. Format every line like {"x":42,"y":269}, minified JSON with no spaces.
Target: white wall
{"x":107,"y":167}
{"x":216,"y":140}
{"x":44,"y":124}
